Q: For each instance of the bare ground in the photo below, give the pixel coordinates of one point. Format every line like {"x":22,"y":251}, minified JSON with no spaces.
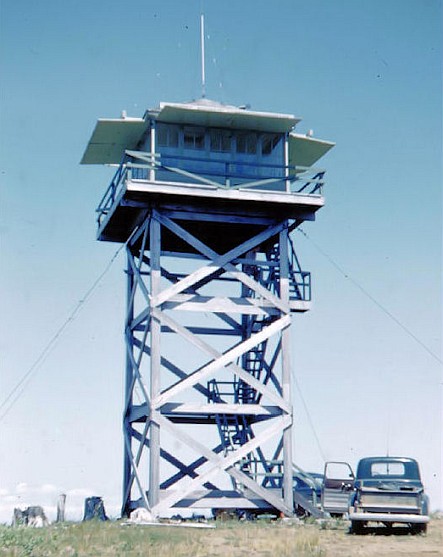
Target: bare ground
{"x":378,"y":542}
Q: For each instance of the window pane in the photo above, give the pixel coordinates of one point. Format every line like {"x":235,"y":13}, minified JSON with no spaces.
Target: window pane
{"x":220,"y":140}
{"x":188,"y":140}
{"x":387,"y":469}
{"x":173,"y":137}
{"x":226,"y":142}
{"x":194,"y":138}
{"x":199,"y":140}
{"x":275,"y":141}
{"x":162,"y":135}
{"x":266,"y":145}
{"x":251,"y":144}
{"x":269,"y":142}
{"x":247,"y":143}
{"x":241,"y":144}
{"x":215,"y":141}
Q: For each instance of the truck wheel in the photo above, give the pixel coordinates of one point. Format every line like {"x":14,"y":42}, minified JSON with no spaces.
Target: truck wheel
{"x":357,"y":527}
{"x":419,"y":528}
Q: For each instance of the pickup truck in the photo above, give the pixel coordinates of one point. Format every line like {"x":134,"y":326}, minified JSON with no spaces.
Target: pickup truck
{"x":388,"y":490}
{"x":385,"y":489}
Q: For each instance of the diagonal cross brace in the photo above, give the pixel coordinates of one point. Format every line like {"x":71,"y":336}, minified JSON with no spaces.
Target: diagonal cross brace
{"x":224,"y":464}
{"x":217,"y":261}
{"x":136,"y":377}
{"x":135,"y":463}
{"x":208,"y":349}
{"x":135,"y":472}
{"x":170,"y":366}
{"x":184,"y":469}
{"x":223,"y":360}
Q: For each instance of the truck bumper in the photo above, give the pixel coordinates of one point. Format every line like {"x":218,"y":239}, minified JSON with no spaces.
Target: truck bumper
{"x":388,"y":517}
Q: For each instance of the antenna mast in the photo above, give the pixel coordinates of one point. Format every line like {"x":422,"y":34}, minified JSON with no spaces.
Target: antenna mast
{"x":202,"y":41}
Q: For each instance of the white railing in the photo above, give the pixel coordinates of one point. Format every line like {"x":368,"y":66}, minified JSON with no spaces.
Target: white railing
{"x":220,"y":174}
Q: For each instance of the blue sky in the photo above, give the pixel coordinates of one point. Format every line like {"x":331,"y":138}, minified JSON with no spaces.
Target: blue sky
{"x":366,"y":75}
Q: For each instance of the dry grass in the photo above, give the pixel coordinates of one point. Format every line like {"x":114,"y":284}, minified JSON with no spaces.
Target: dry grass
{"x":228,"y":539}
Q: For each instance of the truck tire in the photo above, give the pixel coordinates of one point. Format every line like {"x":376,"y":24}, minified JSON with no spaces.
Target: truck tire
{"x":419,"y":528}
{"x":357,"y":527}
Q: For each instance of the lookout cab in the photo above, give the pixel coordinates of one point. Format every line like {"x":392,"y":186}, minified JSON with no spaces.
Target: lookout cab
{"x":205,"y":197}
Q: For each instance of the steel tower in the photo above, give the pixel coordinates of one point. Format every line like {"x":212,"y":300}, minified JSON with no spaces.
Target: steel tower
{"x":205,"y":197}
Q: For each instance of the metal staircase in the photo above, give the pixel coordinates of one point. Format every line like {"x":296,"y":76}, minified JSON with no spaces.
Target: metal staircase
{"x":235,"y":430}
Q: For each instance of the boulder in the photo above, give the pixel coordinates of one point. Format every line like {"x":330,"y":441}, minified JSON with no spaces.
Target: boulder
{"x":141,"y":516}
{"x":33,"y":517}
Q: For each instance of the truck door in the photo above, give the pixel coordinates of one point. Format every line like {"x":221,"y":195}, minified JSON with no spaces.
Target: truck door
{"x":338,"y":486}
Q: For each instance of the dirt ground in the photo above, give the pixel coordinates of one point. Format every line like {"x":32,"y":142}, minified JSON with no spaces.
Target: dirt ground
{"x":376,"y":542}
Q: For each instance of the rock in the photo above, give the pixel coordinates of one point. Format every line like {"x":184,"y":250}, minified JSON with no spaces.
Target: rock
{"x":34,"y":517}
{"x":141,"y":516}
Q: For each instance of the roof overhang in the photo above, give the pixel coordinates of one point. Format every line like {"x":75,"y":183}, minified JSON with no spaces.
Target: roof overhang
{"x":306,"y":151}
{"x":111,"y":138}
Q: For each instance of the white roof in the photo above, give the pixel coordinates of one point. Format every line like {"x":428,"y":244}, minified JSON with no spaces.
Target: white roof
{"x":205,"y":112}
{"x":112,"y":137}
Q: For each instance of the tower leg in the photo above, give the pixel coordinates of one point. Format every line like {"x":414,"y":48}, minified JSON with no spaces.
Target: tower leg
{"x":127,"y":467}
{"x":154,"y":453}
{"x":286,"y":372}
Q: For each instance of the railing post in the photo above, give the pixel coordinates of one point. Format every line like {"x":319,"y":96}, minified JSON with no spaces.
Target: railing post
{"x":153,"y":146}
{"x":287,"y":180}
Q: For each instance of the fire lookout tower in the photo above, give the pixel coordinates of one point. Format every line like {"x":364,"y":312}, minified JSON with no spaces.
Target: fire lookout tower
{"x":205,"y":197}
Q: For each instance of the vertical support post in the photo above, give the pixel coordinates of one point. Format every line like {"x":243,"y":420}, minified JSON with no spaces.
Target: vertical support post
{"x":153,"y":147}
{"x":155,"y":332}
{"x":61,"y":508}
{"x":287,"y":180}
{"x":227,"y":174}
{"x":128,"y":388}
{"x":286,"y":372}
